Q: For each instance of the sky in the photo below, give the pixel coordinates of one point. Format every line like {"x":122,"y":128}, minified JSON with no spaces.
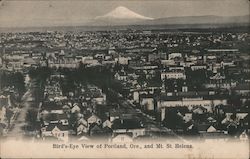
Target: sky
{"x":27,"y":13}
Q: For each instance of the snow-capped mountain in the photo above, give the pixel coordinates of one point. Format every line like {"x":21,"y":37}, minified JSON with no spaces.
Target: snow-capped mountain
{"x":121,"y":13}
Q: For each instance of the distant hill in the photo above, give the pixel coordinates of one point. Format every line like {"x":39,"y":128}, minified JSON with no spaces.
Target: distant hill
{"x":124,"y":16}
{"x":140,"y":22}
{"x":194,"y":21}
{"x":199,"y":20}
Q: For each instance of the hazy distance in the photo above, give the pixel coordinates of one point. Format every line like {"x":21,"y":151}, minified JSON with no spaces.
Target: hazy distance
{"x":29,"y":13}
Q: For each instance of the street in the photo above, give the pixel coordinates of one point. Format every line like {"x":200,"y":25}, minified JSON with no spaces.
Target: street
{"x":18,"y":122}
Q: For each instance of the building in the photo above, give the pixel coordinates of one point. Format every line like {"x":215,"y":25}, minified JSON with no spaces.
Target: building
{"x":172,"y":75}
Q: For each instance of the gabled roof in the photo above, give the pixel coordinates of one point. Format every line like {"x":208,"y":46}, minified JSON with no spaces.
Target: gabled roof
{"x":91,"y":116}
{"x":182,"y":110}
{"x":126,"y":124}
{"x":199,"y":110}
{"x":211,"y":119}
{"x":127,"y":134}
{"x":95,"y":128}
{"x":75,"y":108}
{"x":82,"y":121}
{"x":211,"y":129}
{"x":107,"y":129}
{"x":107,"y":121}
{"x":51,"y":105}
{"x":243,"y":86}
{"x":55,"y":117}
{"x":61,"y":127}
{"x":83,"y":138}
{"x":241,"y":115}
{"x":203,"y":127}
{"x":226,"y":108}
{"x":146,"y":96}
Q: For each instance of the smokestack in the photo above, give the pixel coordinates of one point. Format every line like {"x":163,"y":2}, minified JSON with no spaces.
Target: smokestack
{"x":9,"y":102}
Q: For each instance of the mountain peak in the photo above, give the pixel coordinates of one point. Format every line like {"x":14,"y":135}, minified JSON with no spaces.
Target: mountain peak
{"x":122,"y":12}
{"x":121,"y":8}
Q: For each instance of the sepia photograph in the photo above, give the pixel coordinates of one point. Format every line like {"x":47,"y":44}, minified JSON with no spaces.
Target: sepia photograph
{"x":124,"y":79}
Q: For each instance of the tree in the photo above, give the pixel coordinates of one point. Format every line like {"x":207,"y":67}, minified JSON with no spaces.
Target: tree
{"x":16,"y":79}
{"x":141,"y":80}
{"x":9,"y":114}
{"x":232,"y":129}
{"x":31,"y":117}
{"x":172,"y":120}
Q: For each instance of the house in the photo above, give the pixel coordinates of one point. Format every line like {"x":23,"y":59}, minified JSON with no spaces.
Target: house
{"x":107,"y":123}
{"x":61,"y":132}
{"x":198,"y":67}
{"x":2,"y":127}
{"x":108,"y":62}
{"x":15,"y":65}
{"x":75,"y":109}
{"x":4,"y":103}
{"x":174,"y":55}
{"x":95,"y":130}
{"x":121,"y":76}
{"x":94,"y":119}
{"x":52,"y":107}
{"x":88,"y":60}
{"x":2,"y":114}
{"x":232,"y":128}
{"x":83,"y":137}
{"x":82,"y":121}
{"x":28,"y":62}
{"x":147,"y":69}
{"x":206,"y":128}
{"x":211,"y":120}
{"x":113,"y":115}
{"x":125,"y":122}
{"x":99,"y":56}
{"x":107,"y":132}
{"x":122,"y":60}
{"x":243,"y":136}
{"x":153,"y":57}
{"x":122,"y":137}
{"x":242,"y":89}
{"x":187,"y":117}
{"x":217,"y":76}
{"x":108,"y":57}
{"x":147,"y":101}
{"x":100,"y":99}
{"x":199,"y":110}
{"x":128,"y":125}
{"x":55,"y":119}
{"x":211,"y":129}
{"x":81,"y":128}
{"x":168,"y":63}
{"x":139,"y":93}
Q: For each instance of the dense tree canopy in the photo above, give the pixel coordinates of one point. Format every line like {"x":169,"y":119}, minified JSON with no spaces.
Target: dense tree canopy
{"x":9,"y":79}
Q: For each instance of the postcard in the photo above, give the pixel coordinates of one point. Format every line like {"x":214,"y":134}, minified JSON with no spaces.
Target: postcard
{"x":124,"y":79}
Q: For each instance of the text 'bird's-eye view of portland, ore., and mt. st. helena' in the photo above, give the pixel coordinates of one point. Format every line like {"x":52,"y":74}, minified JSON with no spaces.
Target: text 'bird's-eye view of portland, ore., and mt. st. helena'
{"x":124,"y":70}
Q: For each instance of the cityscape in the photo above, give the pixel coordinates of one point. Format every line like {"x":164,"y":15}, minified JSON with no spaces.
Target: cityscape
{"x":125,"y":85}
{"x":120,"y":73}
